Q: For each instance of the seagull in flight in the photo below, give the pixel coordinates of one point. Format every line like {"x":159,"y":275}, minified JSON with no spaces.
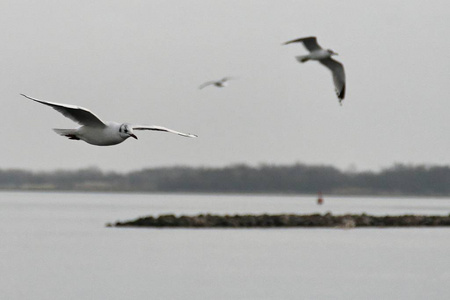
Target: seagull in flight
{"x":218,"y":83}
{"x":324,"y":57}
{"x":96,"y":132}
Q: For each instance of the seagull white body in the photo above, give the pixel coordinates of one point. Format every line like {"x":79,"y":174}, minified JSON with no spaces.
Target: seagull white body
{"x":324,"y":57}
{"x":96,"y":132}
{"x":99,"y":136}
{"x":218,"y":83}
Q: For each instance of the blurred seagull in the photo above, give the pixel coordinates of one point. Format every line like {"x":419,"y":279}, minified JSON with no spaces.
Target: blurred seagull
{"x":96,"y":132}
{"x":324,"y":57}
{"x":219,"y":83}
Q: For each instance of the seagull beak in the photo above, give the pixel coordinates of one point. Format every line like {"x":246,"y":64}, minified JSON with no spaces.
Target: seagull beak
{"x":132,"y":135}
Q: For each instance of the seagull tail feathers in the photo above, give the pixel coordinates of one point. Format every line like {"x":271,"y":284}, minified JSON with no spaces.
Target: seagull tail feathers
{"x":70,"y":133}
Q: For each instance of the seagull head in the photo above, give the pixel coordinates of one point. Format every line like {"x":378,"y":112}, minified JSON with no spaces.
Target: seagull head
{"x":126,"y":131}
{"x":332,"y":52}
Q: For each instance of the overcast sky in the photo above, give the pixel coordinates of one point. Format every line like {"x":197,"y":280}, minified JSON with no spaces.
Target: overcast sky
{"x":142,"y":62}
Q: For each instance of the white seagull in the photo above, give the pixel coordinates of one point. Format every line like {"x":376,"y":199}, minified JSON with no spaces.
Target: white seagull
{"x":324,"y":57}
{"x":218,"y":83}
{"x":96,"y":132}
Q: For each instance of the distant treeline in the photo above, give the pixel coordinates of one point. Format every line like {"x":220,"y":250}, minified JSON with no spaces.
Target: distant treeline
{"x":299,"y":178}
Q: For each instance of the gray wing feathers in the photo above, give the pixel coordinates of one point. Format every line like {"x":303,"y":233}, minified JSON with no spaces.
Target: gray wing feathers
{"x":338,"y":75}
{"x":77,"y":114}
{"x":160,"y":128}
{"x":206,"y":84}
{"x":310,"y":43}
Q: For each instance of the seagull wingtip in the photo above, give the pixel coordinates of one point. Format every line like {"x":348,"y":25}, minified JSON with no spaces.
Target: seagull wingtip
{"x":189,"y":135}
{"x":28,"y":97}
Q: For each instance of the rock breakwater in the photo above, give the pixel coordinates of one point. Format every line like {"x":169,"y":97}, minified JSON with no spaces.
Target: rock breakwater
{"x":285,"y":220}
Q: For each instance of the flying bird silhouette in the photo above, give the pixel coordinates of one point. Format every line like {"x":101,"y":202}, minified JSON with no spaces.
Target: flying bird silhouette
{"x":218,"y":83}
{"x":96,"y":132}
{"x":324,"y":57}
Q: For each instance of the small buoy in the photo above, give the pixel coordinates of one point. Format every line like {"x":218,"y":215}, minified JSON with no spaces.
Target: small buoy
{"x":320,"y":199}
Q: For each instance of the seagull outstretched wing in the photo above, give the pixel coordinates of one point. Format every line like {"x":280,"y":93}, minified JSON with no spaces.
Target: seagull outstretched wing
{"x":338,"y":75}
{"x":203,"y":85}
{"x":160,"y":128}
{"x":77,"y":114}
{"x":225,"y":79}
{"x":310,"y":43}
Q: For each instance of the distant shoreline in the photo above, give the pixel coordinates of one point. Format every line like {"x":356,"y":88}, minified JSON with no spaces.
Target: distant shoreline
{"x":281,"y":194}
{"x":295,"y":179}
{"x":285,"y":220}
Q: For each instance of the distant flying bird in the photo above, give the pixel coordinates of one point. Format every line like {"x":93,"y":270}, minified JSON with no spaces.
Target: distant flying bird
{"x":96,"y":132}
{"x":218,"y":83}
{"x":324,"y":57}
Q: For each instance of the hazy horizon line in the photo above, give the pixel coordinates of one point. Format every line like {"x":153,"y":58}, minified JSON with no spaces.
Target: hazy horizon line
{"x":352,"y":168}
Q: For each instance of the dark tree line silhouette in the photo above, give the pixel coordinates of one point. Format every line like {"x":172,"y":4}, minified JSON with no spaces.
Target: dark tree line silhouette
{"x":399,"y":179}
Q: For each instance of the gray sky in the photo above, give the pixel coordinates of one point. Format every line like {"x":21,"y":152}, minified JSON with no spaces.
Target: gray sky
{"x":142,"y":62}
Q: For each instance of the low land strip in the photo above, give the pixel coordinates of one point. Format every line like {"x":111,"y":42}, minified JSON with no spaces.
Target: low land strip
{"x":285,"y":220}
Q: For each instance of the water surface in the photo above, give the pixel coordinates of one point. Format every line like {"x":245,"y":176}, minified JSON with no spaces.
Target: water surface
{"x":55,"y":246}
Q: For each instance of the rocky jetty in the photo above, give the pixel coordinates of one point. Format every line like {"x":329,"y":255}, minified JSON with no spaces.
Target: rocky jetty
{"x":285,"y":220}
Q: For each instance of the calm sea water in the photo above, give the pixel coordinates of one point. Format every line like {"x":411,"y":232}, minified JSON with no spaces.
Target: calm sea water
{"x":56,"y":246}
